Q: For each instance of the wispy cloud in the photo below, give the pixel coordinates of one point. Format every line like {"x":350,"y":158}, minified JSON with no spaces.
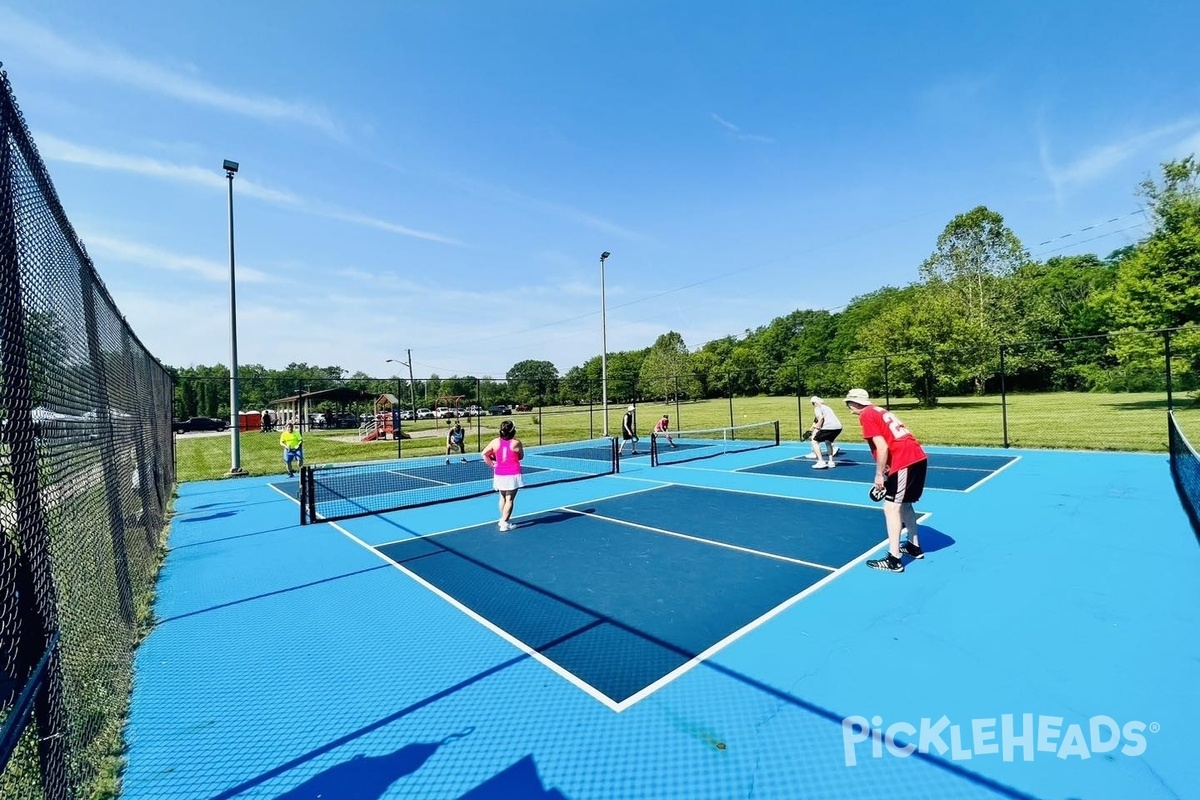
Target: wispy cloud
{"x":509,"y":196}
{"x":102,"y":62}
{"x":53,"y":148}
{"x":736,"y":132}
{"x":1102,"y":160}
{"x":154,"y":258}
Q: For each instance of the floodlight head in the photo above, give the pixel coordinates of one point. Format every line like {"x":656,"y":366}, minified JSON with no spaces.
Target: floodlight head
{"x":604,"y":255}
{"x":231,"y":166}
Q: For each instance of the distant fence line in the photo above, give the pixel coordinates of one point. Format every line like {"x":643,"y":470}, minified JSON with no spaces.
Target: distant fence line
{"x":86,"y":474}
{"x":1165,"y":361}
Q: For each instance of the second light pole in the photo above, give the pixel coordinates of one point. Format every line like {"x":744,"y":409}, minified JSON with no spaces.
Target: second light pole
{"x":235,"y":420}
{"x":604,"y":344}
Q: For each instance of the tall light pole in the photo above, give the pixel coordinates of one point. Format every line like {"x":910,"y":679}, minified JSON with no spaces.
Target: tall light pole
{"x":231,"y":167}
{"x":604,"y":344}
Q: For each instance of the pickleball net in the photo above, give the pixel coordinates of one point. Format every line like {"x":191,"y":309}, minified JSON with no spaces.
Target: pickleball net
{"x":339,"y":491}
{"x":1185,"y":470}
{"x":676,"y":447}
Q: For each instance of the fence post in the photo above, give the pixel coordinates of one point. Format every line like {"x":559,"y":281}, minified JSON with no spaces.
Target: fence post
{"x":730,"y":389}
{"x":677,"y":423}
{"x":479,"y":415}
{"x":1003,"y":397}
{"x":1167,"y":347}
{"x":799,"y":403}
{"x":887,"y":384}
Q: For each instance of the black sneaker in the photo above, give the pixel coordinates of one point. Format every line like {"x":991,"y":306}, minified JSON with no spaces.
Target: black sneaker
{"x":888,"y":563}
{"x":910,"y":549}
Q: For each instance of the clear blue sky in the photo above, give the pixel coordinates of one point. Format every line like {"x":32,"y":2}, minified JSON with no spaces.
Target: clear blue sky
{"x":443,"y":176}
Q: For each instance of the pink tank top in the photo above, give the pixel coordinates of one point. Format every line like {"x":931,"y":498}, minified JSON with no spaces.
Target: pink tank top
{"x":506,"y":459}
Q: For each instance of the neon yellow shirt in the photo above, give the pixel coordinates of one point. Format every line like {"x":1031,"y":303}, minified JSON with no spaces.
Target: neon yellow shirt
{"x":291,"y":440}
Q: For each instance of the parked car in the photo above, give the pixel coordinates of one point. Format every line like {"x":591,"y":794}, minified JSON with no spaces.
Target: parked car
{"x":424,"y":413}
{"x":498,"y":410}
{"x":199,"y":424}
{"x":406,"y":413}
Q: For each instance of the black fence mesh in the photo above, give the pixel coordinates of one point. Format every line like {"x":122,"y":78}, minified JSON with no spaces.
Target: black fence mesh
{"x":86,"y":473}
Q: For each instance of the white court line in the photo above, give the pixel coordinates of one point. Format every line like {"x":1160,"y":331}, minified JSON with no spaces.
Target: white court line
{"x":745,"y":629}
{"x":702,"y":540}
{"x":518,"y":516}
{"x":780,"y":496}
{"x":285,"y":494}
{"x":973,"y":486}
{"x":578,"y":682}
{"x":800,"y":478}
{"x":420,"y":478}
{"x":503,"y":634}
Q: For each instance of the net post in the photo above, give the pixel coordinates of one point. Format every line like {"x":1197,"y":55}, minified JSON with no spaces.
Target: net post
{"x":653,"y":449}
{"x":303,"y":495}
{"x":777,"y":439}
{"x":616,"y":458}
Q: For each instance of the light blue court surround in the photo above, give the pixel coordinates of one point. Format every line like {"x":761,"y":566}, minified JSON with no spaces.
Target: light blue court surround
{"x":295,"y":661}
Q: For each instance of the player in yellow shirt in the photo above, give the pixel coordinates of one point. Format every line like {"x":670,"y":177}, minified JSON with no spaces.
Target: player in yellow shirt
{"x":293,"y":448}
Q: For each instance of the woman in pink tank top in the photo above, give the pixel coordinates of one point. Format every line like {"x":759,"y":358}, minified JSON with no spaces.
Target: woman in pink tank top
{"x":504,"y":456}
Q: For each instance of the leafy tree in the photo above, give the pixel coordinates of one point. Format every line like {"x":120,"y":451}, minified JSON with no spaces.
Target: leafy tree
{"x":532,"y":381}
{"x":970,"y":273}
{"x":666,"y":371}
{"x":1158,"y":285}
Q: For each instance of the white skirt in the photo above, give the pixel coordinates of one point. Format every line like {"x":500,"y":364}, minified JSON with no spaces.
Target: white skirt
{"x":507,"y":483}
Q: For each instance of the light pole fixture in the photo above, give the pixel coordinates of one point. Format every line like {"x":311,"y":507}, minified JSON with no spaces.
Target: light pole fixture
{"x":604,"y":344}
{"x":231,"y":167}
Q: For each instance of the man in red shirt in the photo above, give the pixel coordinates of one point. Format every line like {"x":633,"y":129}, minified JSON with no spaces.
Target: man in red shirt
{"x":900,"y":467}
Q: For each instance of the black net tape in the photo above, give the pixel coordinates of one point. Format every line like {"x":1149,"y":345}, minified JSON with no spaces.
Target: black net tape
{"x":86,"y":472}
{"x":682,"y":446}
{"x":1185,"y":469}
{"x":339,"y":491}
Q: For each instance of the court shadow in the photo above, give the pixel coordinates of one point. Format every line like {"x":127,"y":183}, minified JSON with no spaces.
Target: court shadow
{"x":521,"y":780}
{"x":552,"y":518}
{"x":933,"y":540}
{"x":208,"y":517}
{"x":367,"y":777}
{"x":275,"y":593}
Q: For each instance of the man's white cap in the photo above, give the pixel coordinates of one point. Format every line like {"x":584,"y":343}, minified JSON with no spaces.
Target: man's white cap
{"x":859,"y":396}
{"x":814,"y":400}
{"x":631,"y":408}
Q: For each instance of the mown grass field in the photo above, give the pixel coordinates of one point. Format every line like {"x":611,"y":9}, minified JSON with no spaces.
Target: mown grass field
{"x":1135,"y":422}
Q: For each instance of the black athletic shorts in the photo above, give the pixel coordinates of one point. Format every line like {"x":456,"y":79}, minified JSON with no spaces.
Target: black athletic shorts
{"x":826,"y":434}
{"x":906,"y":485}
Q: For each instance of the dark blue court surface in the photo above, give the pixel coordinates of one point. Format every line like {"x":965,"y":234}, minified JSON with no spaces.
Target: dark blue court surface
{"x":620,"y":593}
{"x":950,"y":471}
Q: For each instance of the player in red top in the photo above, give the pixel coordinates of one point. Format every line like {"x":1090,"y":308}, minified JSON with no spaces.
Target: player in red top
{"x":900,"y":467}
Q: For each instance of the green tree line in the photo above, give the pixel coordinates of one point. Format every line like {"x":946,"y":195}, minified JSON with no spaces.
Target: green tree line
{"x":1065,"y":323}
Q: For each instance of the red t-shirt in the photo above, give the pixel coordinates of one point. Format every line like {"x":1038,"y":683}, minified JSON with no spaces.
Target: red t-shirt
{"x":903,"y":447}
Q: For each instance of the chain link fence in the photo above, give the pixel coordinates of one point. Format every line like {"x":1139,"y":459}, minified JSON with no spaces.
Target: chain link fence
{"x":1106,"y":392}
{"x":86,"y":475}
